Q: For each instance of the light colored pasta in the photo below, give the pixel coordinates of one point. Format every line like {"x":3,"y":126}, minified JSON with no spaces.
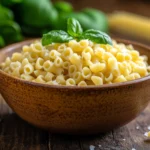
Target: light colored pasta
{"x":14,"y":65}
{"x":67,"y":53}
{"x":97,"y":80}
{"x":66,"y":64}
{"x":7,"y":70}
{"x":86,"y":56}
{"x":86,"y":73}
{"x":39,"y":72}
{"x":26,"y":48}
{"x":78,"y":77}
{"x":60,"y":79}
{"x":75,"y":59}
{"x":61,"y":48}
{"x":99,"y":52}
{"x":109,"y":78}
{"x":56,"y":70}
{"x":120,"y":78}
{"x":49,"y":76}
{"x":72,"y":70}
{"x":40,"y":79}
{"x":70,"y":81}
{"x":82,"y":83}
{"x":98,"y":67}
{"x":47,"y":65}
{"x":88,"y":50}
{"x":39,"y":63}
{"x":32,"y":57}
{"x":80,"y":63}
{"x":37,"y":47}
{"x":28,"y":69}
{"x":53,"y":54}
{"x":58,"y":62}
{"x":25,"y":61}
{"x":8,"y":61}
{"x":27,"y":77}
{"x":84,"y":43}
{"x":17,"y":57}
{"x":16,"y":72}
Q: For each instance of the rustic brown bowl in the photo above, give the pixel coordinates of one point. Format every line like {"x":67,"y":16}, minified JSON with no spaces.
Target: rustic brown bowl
{"x":75,"y":110}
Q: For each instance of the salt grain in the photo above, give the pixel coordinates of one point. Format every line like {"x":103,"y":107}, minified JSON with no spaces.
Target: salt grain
{"x":92,"y":147}
{"x":133,"y":149}
{"x":146,"y":134}
{"x":148,"y":127}
{"x":137,"y":127}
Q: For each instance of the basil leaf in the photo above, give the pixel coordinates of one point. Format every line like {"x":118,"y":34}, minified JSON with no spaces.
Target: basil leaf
{"x":55,"y":36}
{"x":74,"y":28}
{"x":97,"y":36}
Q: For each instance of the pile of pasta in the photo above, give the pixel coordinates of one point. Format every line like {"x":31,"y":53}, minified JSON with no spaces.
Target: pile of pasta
{"x":80,"y":63}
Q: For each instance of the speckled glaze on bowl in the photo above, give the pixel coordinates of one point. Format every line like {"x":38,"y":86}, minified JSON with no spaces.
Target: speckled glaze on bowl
{"x":75,"y":110}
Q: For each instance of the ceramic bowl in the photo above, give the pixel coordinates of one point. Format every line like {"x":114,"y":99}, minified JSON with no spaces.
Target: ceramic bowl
{"x":75,"y":110}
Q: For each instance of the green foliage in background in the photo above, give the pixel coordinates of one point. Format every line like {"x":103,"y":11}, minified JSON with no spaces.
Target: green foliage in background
{"x":35,"y":17}
{"x":88,"y":18}
{"x":63,"y":7}
{"x":9,"y":30}
{"x":8,"y":3}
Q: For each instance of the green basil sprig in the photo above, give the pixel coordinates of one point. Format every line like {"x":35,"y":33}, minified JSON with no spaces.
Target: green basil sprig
{"x":74,"y":27}
{"x":75,"y":31}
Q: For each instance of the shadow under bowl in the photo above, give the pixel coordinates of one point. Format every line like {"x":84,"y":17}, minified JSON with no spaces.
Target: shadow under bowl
{"x":75,"y":110}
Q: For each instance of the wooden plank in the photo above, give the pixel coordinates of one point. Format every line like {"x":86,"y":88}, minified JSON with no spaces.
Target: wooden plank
{"x":4,"y":108}
{"x":124,"y":138}
{"x":116,"y":140}
{"x":15,"y":134}
{"x":133,"y":133}
{"x":98,"y":142}
{"x":65,"y":142}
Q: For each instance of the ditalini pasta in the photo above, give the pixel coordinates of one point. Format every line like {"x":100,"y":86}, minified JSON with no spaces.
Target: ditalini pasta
{"x":80,"y":63}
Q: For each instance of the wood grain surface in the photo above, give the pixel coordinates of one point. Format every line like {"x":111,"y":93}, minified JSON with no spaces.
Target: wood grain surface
{"x":16,"y":134}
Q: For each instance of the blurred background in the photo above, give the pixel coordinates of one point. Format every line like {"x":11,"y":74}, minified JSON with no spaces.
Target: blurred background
{"x":136,"y":6}
{"x":24,"y":19}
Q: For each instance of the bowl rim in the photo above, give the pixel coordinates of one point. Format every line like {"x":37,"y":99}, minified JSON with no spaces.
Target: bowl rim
{"x":104,"y":86}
